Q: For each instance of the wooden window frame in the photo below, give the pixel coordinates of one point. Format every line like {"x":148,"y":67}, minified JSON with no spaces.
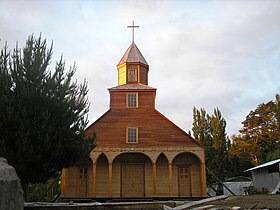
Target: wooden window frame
{"x":129,"y":141}
{"x":83,"y":172}
{"x":128,"y":101}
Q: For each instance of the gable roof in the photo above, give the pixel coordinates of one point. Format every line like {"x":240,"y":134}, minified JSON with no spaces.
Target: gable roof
{"x":264,"y":165}
{"x":155,"y":136}
{"x":133,"y":55}
{"x":132,"y":86}
{"x":180,"y":129}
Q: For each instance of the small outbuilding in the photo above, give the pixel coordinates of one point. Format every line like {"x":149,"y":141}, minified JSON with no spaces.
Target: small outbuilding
{"x":267,"y":176}
{"x":238,"y":185}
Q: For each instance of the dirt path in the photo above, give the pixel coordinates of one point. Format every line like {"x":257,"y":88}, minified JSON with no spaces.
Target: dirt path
{"x":249,"y":202}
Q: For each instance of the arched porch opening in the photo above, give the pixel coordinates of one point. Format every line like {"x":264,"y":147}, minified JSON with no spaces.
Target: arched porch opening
{"x":132,"y":176}
{"x":187,"y":177}
{"x":101,"y":182}
{"x":162,"y":176}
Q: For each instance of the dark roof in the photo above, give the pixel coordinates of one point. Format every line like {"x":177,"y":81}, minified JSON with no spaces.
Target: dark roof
{"x":133,"y":55}
{"x":132,"y":86}
{"x":238,"y":179}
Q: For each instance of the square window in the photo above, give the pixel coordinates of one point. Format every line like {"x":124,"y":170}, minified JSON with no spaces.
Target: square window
{"x":132,"y":135}
{"x":132,"y":101}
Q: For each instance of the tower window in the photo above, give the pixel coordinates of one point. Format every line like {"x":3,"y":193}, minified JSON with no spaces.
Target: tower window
{"x":132,"y":101}
{"x":132,"y":135}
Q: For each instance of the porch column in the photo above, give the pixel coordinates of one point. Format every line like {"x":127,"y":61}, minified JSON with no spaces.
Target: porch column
{"x":155,"y":179}
{"x":170,"y":178}
{"x":203,"y":180}
{"x":94,"y":179}
{"x":110,"y":180}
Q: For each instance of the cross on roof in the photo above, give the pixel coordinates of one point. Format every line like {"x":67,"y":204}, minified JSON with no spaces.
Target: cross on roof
{"x":133,"y":26}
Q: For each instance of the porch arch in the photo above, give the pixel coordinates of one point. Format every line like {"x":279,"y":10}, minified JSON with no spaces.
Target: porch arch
{"x":128,"y":169}
{"x":187,"y":172}
{"x":162,"y":176}
{"x":172,"y":156}
{"x":101,"y":174}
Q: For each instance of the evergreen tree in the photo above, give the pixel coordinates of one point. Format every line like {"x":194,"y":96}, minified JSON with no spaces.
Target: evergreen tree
{"x":218,"y":131}
{"x":211,"y":132}
{"x":201,"y":127}
{"x":43,"y":114}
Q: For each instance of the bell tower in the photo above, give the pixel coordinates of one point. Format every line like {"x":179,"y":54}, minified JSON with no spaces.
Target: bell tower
{"x":133,"y":68}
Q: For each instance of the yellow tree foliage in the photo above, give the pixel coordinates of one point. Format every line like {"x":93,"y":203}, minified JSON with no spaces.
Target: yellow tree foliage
{"x":260,"y":134}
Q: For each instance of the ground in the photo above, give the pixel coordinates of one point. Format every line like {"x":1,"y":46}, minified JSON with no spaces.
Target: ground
{"x":249,"y":202}
{"x":255,"y":202}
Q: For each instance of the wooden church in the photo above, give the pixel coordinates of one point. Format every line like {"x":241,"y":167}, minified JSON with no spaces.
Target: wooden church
{"x":139,"y":153}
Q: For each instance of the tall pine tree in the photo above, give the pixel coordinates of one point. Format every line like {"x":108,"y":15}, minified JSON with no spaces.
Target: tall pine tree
{"x":211,"y":132}
{"x":43,"y":113}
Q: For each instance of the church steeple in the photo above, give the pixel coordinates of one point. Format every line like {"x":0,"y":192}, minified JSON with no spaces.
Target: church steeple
{"x":133,"y":68}
{"x":133,"y":55}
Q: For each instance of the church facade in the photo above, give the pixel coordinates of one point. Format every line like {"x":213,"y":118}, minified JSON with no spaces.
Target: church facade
{"x":139,"y":153}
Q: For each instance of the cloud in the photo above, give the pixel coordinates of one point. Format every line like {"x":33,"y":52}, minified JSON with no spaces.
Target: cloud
{"x":210,"y":54}
{"x":220,"y":62}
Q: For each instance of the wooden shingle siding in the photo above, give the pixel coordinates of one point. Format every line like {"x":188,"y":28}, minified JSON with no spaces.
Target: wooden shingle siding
{"x":196,"y":180}
{"x":175,"y":181}
{"x":162,"y":178}
{"x":143,"y":75}
{"x":90,"y":182}
{"x":153,"y":129}
{"x":122,"y":76}
{"x":118,"y":100}
{"x":102,"y":177}
{"x":148,"y":179}
{"x":69,"y":182}
{"x":116,"y":180}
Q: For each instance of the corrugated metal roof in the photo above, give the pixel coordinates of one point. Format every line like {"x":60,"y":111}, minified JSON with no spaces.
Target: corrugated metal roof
{"x":134,"y":86}
{"x":264,"y":165}
{"x":132,"y":55}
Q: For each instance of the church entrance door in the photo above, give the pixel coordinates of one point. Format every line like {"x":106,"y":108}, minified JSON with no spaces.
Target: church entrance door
{"x":184,"y":181}
{"x":133,"y":180}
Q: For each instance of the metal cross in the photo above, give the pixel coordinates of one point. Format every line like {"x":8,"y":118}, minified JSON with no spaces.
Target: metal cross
{"x":133,"y":26}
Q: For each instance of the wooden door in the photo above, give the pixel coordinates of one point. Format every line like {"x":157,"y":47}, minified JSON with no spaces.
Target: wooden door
{"x":184,"y":181}
{"x":83,"y":182}
{"x":133,"y":180}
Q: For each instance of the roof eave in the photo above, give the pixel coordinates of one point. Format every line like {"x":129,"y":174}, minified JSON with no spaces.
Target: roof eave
{"x":136,"y":63}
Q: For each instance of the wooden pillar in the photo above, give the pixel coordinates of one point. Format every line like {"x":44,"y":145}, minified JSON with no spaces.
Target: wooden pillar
{"x":170,"y":178}
{"x":63,"y":180}
{"x":94,"y":179}
{"x":110,"y":180}
{"x":155,"y":179}
{"x":77,"y":169}
{"x":203,"y":180}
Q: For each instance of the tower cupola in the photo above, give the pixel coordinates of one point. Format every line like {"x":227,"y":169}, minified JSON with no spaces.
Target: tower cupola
{"x":133,"y":68}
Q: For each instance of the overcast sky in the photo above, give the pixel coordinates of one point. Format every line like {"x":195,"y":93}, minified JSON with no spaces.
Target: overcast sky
{"x":206,"y":54}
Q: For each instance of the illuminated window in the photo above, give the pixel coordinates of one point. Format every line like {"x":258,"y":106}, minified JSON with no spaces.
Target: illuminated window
{"x":132,"y":135}
{"x":132,"y":101}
